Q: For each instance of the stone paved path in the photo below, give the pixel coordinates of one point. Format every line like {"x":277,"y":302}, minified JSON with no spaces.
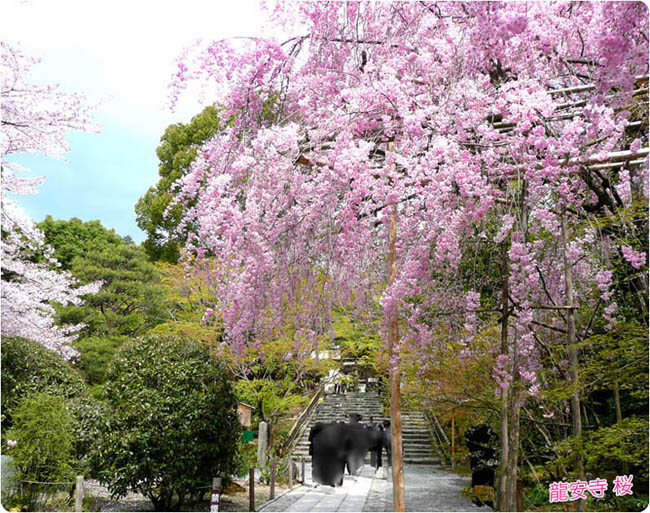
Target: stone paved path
{"x":349,"y":497}
{"x":428,"y":488}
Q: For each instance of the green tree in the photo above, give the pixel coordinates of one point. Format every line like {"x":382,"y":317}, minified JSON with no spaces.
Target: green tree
{"x":619,"y":445}
{"x":174,"y":421}
{"x":74,"y":238}
{"x":95,"y":355}
{"x":358,"y":342}
{"x":178,"y":148}
{"x":274,"y":378}
{"x":618,"y":360}
{"x":131,"y":300}
{"x":189,"y":296}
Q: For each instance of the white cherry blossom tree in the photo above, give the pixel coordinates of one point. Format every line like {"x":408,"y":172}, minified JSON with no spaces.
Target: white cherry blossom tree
{"x":35,"y":119}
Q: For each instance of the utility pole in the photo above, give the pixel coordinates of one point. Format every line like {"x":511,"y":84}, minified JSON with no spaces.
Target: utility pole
{"x":394,"y":373}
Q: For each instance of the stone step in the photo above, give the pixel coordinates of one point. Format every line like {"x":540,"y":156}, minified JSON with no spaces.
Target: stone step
{"x":408,"y":450}
{"x":366,"y":414}
{"x":407,"y":447}
{"x":376,"y":415}
{"x":406,"y":442}
{"x":416,"y":439}
{"x":365,"y":419}
{"x":412,"y":437}
{"x":344,"y":409}
{"x":424,"y":451}
{"x":330,"y":421}
{"x":415,"y":434}
{"x":406,"y":459}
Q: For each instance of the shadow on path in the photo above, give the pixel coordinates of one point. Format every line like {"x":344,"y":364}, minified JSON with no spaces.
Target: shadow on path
{"x":349,"y":497}
{"x":428,"y":488}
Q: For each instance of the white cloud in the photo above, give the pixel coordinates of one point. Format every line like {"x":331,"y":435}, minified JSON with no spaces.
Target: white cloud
{"x":123,"y":51}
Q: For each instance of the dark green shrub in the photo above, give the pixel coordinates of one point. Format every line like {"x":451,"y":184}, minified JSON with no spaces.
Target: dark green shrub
{"x":89,"y":416}
{"x":28,"y":367}
{"x":174,"y":425}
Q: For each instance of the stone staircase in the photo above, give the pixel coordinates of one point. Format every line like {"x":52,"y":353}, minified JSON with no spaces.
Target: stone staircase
{"x":416,"y":438}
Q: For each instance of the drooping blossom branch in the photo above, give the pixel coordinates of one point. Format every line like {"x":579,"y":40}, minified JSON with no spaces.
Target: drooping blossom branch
{"x":293,"y":194}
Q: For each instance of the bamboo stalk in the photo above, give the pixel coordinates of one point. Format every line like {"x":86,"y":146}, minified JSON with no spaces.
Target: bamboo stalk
{"x":615,"y":156}
{"x":587,"y":87}
{"x":612,"y":165}
{"x":553,"y":307}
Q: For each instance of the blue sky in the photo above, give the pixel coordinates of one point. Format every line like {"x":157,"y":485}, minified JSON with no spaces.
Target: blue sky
{"x":102,"y":178}
{"x":120,"y":54}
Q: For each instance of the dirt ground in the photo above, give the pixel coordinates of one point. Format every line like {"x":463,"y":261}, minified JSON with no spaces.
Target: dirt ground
{"x":235,"y":498}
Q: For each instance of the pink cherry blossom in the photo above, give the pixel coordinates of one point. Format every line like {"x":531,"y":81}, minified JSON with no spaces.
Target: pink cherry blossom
{"x":373,"y":106}
{"x":636,"y":259}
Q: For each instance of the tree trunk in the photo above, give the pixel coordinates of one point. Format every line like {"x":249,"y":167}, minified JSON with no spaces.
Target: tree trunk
{"x":394,"y":372}
{"x":502,"y":501}
{"x":513,"y":447}
{"x":513,"y":431}
{"x":619,"y":418}
{"x":573,"y":358}
{"x":617,"y":402}
{"x":515,"y":395}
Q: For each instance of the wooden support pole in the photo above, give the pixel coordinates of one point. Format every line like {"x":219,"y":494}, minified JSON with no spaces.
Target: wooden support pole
{"x":251,"y":489}
{"x":79,"y":493}
{"x":453,"y":440}
{"x":272,"y":491}
{"x":290,"y":472}
{"x":394,"y":372}
{"x":302,"y":470}
{"x":262,"y":444}
{"x":215,"y":494}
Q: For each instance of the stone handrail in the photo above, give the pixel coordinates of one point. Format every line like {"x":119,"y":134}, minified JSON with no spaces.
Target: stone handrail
{"x":296,"y":429}
{"x":438,"y":434}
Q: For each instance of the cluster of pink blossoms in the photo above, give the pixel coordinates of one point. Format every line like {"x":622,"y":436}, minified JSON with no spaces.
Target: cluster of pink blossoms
{"x":637,"y":259}
{"x":436,"y":110}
